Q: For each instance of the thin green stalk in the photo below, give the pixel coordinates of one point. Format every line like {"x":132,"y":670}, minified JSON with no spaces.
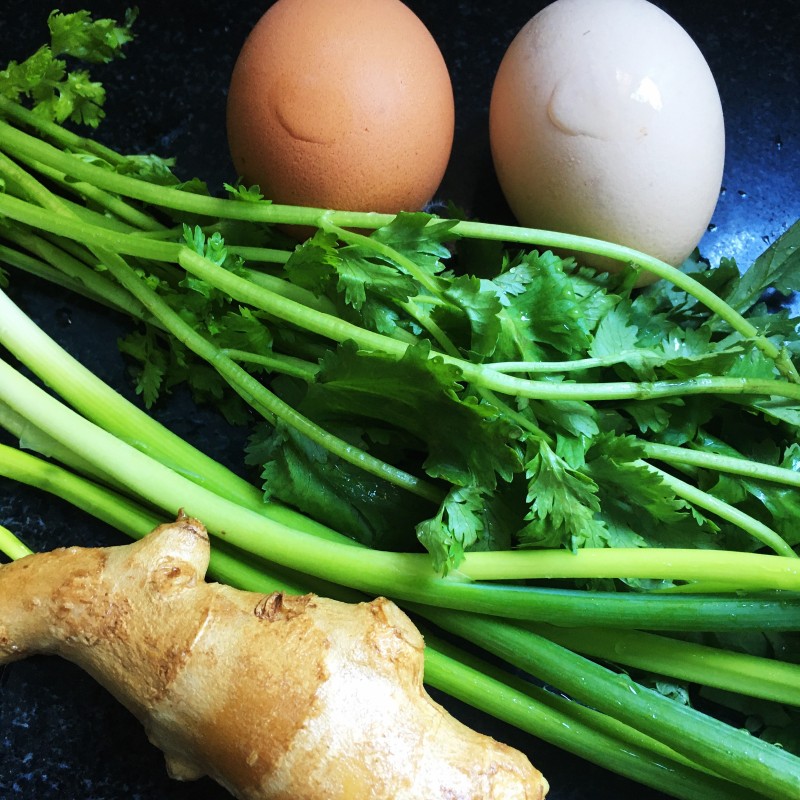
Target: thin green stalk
{"x":11,"y":546}
{"x":15,"y":140}
{"x":551,"y":367}
{"x":115,"y":205}
{"x":732,"y":752}
{"x":275,"y":362}
{"x":742,"y":673}
{"x":40,"y":269}
{"x":736,"y":466}
{"x":757,"y":529}
{"x":751,"y":571}
{"x":58,"y":133}
{"x":266,"y":255}
{"x":80,"y":277}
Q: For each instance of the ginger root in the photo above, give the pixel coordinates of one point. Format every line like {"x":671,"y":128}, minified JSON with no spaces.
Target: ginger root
{"x":276,"y":697}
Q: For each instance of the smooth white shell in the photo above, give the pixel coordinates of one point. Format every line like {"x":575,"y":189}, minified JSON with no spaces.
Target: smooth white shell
{"x":605,"y":121}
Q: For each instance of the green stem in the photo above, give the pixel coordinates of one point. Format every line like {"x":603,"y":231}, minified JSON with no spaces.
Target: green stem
{"x":58,"y":133}
{"x":736,"y":466}
{"x":757,"y":529}
{"x":752,"y":571}
{"x":11,"y":546}
{"x":120,"y":209}
{"x":570,"y":726}
{"x":275,"y":362}
{"x":741,"y":673}
{"x":79,"y":277}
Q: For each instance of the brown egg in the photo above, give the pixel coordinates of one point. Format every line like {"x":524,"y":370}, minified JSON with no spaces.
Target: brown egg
{"x":606,"y":121}
{"x":343,"y":104}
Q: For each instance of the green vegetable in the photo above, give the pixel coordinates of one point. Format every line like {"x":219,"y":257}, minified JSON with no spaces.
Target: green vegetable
{"x":497,"y":447}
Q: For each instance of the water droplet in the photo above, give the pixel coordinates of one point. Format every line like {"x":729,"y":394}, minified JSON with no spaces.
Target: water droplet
{"x":723,"y":191}
{"x":711,"y":227}
{"x":64,"y":317}
{"x":778,"y":142}
{"x":765,"y":239}
{"x":742,"y":193}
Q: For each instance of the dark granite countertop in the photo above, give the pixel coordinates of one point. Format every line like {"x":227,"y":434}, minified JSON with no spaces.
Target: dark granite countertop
{"x":61,"y":736}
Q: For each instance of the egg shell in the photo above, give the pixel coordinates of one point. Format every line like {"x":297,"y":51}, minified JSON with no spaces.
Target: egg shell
{"x":342,"y":104}
{"x":605,"y":121}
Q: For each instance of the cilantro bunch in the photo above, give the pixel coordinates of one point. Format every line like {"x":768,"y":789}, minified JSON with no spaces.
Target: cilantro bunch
{"x":444,"y":411}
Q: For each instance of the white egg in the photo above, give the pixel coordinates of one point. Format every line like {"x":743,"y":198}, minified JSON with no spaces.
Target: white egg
{"x":605,"y":121}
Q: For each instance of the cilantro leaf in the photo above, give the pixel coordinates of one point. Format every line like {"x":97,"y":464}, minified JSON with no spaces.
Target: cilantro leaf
{"x":479,"y":315}
{"x":463,"y":441}
{"x":777,"y":267}
{"x":94,"y":41}
{"x":420,"y":237}
{"x":563,"y":504}
{"x":43,"y":78}
{"x":456,"y":527}
{"x":303,"y":474}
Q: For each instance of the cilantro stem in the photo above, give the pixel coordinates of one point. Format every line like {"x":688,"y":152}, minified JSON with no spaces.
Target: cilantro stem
{"x":58,"y":133}
{"x":757,"y":529}
{"x":78,"y":276}
{"x":742,"y":673}
{"x":275,"y":362}
{"x":578,"y":730}
{"x":260,"y":254}
{"x":11,"y":545}
{"x":731,"y":464}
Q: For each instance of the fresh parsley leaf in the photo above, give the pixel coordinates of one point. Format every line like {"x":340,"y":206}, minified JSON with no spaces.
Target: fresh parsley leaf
{"x":303,"y":474}
{"x":563,"y":502}
{"x":94,"y":41}
{"x":456,"y":527}
{"x":777,"y":267}
{"x":462,"y":441}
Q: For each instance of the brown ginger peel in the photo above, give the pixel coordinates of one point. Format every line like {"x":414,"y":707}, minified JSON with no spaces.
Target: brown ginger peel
{"x":276,"y":697}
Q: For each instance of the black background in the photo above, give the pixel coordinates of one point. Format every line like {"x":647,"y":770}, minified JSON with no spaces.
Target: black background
{"x":62,"y":736}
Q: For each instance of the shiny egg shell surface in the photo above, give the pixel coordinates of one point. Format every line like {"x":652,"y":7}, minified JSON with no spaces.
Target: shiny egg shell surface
{"x":343,"y":104}
{"x":605,"y":121}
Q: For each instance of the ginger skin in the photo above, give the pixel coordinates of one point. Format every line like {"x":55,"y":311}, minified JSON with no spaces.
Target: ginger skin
{"x":276,"y":697}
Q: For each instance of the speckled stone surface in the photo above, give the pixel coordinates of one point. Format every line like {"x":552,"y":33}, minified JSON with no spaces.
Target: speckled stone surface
{"x":61,"y":736}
